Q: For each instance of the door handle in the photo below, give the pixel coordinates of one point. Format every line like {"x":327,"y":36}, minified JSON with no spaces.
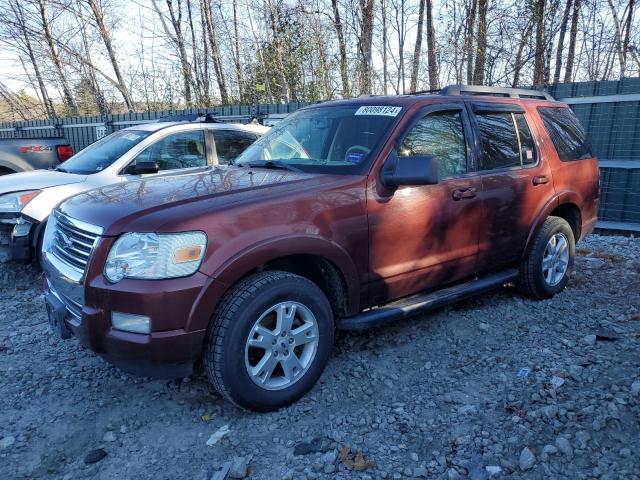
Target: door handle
{"x":463,"y":193}
{"x":540,"y":179}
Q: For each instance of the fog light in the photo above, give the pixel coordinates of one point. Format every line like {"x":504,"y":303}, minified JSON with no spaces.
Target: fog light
{"x":22,"y":229}
{"x":129,"y":322}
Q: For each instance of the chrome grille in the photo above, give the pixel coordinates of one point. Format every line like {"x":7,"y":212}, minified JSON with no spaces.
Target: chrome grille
{"x":71,"y":243}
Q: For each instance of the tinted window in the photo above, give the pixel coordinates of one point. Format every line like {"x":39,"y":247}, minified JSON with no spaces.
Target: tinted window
{"x":566,"y":133}
{"x":101,"y":154}
{"x":498,"y":140}
{"x":527,"y":145}
{"x":440,"y":135}
{"x":180,"y":150}
{"x":230,"y":144}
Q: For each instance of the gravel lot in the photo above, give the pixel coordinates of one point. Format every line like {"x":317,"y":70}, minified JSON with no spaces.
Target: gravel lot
{"x":494,"y":387}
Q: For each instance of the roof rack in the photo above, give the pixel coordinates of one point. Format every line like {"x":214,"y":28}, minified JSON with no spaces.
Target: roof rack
{"x":210,"y":118}
{"x":495,"y":91}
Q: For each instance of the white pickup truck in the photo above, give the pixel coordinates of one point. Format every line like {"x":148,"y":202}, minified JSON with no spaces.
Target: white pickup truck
{"x":162,"y":148}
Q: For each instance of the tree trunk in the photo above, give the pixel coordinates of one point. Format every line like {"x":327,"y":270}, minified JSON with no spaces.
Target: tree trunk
{"x":625,"y":42}
{"x":563,"y":31}
{"x":106,"y":38}
{"x":538,"y":63}
{"x":385,"y":69}
{"x":215,"y":51}
{"x":342,"y":46}
{"x":97,"y":93}
{"x":236,"y":46}
{"x":568,"y":73}
{"x":206,"y":84}
{"x":55,"y":58}
{"x":178,"y":37}
{"x":201,"y":93}
{"x":431,"y":48}
{"x":468,"y":39}
{"x":481,"y":49}
{"x":417,"y":50}
{"x":364,"y":44}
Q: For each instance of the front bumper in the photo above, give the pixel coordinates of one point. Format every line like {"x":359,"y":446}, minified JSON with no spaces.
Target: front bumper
{"x":17,"y":232}
{"x":165,"y":353}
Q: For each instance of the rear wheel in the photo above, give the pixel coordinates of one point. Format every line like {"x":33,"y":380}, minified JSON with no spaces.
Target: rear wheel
{"x":269,"y":341}
{"x":546,"y":268}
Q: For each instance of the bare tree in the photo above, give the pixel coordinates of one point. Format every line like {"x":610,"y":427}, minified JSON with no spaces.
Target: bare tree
{"x":215,"y":51}
{"x":538,"y":18}
{"x":55,"y":57}
{"x":481,"y":48}
{"x":431,"y":48}
{"x":365,"y":39}
{"x":560,"y":48}
{"x":568,"y":73}
{"x":342,"y":47}
{"x":23,"y":31}
{"x":468,"y":38}
{"x":417,"y":49}
{"x":98,"y":14}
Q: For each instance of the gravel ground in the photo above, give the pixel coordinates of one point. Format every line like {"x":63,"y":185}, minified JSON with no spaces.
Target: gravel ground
{"x":495,"y":387}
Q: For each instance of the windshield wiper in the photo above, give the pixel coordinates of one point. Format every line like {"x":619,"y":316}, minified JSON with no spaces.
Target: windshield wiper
{"x":273,"y":164}
{"x":60,"y":169}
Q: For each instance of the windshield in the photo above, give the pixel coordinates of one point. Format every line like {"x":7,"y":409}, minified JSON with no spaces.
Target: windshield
{"x":101,"y":154}
{"x":332,"y":139}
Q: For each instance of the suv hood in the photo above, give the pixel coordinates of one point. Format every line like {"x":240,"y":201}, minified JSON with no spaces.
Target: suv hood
{"x":149,"y":204}
{"x":37,"y":180}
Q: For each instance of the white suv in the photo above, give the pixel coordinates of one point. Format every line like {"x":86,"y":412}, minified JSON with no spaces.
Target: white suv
{"x":162,"y":148}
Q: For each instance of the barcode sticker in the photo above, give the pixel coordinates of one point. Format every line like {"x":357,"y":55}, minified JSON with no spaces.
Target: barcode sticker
{"x":384,"y":110}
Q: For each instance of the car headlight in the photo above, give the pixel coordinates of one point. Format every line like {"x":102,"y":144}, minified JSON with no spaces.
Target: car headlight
{"x":16,"y":201}
{"x":155,"y":256}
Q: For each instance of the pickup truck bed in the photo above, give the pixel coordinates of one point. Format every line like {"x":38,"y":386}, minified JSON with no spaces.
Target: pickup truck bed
{"x":24,"y":154}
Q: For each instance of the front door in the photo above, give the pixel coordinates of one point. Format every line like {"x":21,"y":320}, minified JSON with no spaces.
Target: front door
{"x":425,"y":236}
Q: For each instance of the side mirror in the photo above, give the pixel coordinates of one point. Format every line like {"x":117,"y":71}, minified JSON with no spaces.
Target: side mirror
{"x":145,"y":167}
{"x":417,"y":170}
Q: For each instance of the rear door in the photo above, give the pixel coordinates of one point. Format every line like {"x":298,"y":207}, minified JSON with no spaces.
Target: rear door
{"x":516,"y":181}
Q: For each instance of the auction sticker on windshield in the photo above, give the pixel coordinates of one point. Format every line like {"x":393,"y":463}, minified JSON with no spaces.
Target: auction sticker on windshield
{"x":384,"y":110}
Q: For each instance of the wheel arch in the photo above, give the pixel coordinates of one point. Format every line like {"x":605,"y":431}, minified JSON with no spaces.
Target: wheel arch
{"x":564,"y":206}
{"x":317,"y":259}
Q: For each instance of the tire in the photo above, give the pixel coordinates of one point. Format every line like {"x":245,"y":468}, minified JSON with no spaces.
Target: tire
{"x":260,"y":300}
{"x":536,"y":280}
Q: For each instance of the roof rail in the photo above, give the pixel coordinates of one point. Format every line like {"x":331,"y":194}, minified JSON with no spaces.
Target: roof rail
{"x":495,"y":91}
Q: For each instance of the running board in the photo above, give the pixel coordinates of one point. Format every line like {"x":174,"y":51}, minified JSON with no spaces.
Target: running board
{"x":425,"y":302}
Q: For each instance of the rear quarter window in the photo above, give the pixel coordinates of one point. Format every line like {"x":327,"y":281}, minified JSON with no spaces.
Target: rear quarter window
{"x":566,"y":133}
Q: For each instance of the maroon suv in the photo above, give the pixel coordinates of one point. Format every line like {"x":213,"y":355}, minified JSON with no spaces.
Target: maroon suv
{"x":347,"y":214}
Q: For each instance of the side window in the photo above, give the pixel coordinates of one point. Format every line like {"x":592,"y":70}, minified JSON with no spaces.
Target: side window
{"x":566,"y":133}
{"x":179,"y":150}
{"x":499,"y":141}
{"x":441,"y":135}
{"x":230,"y":144}
{"x":527,"y":144}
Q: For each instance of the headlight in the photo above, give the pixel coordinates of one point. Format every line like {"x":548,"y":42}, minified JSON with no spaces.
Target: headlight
{"x":15,"y":202}
{"x":153,"y":256}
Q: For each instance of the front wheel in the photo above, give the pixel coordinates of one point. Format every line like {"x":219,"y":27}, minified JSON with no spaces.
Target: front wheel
{"x":269,"y":340}
{"x":546,"y":268}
